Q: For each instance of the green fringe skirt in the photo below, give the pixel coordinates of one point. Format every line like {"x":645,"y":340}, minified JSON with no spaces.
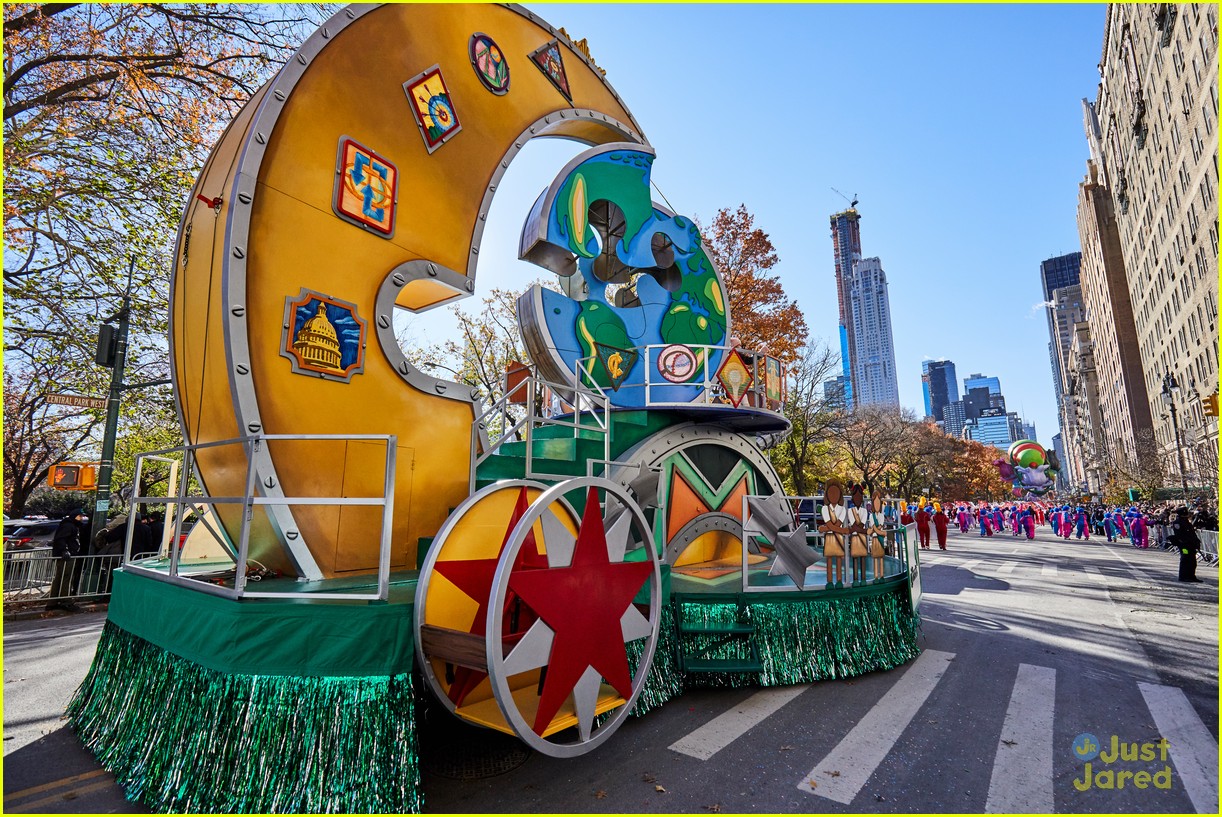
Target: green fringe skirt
{"x":180,"y":737}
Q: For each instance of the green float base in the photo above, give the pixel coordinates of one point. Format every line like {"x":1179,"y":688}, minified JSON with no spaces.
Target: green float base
{"x":796,"y":637}
{"x":199,"y":703}
{"x":184,"y":738}
{"x":281,"y":706}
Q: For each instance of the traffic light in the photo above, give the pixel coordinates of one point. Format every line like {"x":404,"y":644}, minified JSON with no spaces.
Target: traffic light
{"x":73,"y":476}
{"x":107,"y":341}
{"x":1211,"y":405}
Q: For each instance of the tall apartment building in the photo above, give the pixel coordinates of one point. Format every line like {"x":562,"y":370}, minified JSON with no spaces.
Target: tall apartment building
{"x":954,"y":417}
{"x":1056,"y":273}
{"x":977,"y":381}
{"x":1157,"y":108}
{"x":1029,"y":431}
{"x":992,"y":427}
{"x":846,"y":250}
{"x":1065,"y":309}
{"x":1124,"y":405}
{"x":833,"y":392}
{"x":939,"y":386}
{"x":1082,"y":389}
{"x":874,"y":379}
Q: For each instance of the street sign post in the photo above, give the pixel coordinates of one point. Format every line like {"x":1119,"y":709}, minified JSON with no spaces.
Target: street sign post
{"x":76,"y":400}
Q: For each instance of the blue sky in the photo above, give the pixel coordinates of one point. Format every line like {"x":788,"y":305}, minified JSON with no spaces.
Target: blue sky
{"x":959,"y":129}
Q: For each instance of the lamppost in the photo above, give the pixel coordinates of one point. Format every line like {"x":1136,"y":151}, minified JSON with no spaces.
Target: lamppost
{"x":1170,"y":389}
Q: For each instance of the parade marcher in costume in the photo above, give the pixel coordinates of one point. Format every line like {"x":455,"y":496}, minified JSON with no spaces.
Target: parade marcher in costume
{"x":963,"y":519}
{"x":922,"y":522}
{"x":1109,"y":526}
{"x":1184,"y":538}
{"x":859,"y":547}
{"x":1066,"y":522}
{"x":986,"y":528}
{"x":1081,"y":524}
{"x":1016,"y":521}
{"x":834,"y":528}
{"x":940,"y":524}
{"x":906,"y":515}
{"x":1029,"y":523}
{"x":1141,"y":532}
{"x":878,"y":534}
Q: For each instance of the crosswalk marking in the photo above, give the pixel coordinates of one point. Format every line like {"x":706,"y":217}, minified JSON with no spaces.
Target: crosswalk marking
{"x":843,"y":773}
{"x":1022,"y":767}
{"x":1007,"y":567}
{"x":970,"y":564}
{"x":723,"y":730}
{"x":1048,"y":570}
{"x":1193,"y":749}
{"x":1094,"y":573}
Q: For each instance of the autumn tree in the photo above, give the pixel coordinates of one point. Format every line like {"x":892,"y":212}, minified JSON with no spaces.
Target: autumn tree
{"x":871,"y":438}
{"x":109,"y":113}
{"x":764,"y":318}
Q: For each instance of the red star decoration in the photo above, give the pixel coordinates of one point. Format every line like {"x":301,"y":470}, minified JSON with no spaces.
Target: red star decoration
{"x":474,"y":577}
{"x":583,"y":604}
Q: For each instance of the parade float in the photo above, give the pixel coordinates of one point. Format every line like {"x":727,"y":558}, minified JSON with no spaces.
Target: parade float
{"x":605,"y":535}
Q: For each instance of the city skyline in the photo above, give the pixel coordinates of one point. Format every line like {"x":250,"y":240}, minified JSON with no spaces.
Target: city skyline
{"x":937,"y":131}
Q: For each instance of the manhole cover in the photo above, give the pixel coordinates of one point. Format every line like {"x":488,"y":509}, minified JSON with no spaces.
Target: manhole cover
{"x":1162,"y":614}
{"x":454,"y":749}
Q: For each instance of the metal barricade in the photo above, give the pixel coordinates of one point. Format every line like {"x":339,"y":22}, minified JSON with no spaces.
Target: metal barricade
{"x":1209,"y":546}
{"x":37,"y":576}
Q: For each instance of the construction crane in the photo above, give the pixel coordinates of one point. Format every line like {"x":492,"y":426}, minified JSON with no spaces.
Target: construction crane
{"x":852,"y":203}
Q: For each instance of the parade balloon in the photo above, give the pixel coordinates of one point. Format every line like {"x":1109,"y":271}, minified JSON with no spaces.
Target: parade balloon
{"x":1030,"y":468}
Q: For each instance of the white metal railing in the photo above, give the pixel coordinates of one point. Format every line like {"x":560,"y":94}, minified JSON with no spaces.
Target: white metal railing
{"x":704,"y":376}
{"x":806,"y":509}
{"x":1209,"y":546}
{"x":254,"y":445}
{"x":546,"y":404}
{"x":35,"y":575}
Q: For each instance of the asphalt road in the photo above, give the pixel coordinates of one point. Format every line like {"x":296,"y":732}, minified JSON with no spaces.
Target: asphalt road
{"x":1028,"y":646}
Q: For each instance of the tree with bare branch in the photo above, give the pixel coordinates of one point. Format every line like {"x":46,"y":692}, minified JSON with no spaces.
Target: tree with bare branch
{"x":807,"y":456}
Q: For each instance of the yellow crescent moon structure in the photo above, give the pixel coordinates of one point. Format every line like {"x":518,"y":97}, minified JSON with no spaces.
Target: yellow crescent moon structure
{"x":384,"y":99}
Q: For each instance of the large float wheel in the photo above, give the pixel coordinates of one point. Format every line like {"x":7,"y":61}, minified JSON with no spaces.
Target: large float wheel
{"x":570,"y":619}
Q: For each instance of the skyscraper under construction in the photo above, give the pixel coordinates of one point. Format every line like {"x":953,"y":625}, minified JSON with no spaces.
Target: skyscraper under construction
{"x":846,"y":245}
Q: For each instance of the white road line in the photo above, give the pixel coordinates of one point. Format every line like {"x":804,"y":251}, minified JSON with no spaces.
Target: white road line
{"x":1193,"y":749}
{"x":843,"y":773}
{"x":1048,"y":570}
{"x":727,"y":727}
{"x":1022,"y":767}
{"x":1094,"y":573}
{"x":1007,"y":567}
{"x":970,"y":564}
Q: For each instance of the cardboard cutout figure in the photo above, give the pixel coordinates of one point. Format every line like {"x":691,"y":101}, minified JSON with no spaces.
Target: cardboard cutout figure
{"x":834,"y":528}
{"x":858,"y":523}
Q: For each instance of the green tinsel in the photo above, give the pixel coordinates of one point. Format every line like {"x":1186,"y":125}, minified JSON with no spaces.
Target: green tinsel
{"x":664,"y":680}
{"x":802,"y":641}
{"x":180,"y":737}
